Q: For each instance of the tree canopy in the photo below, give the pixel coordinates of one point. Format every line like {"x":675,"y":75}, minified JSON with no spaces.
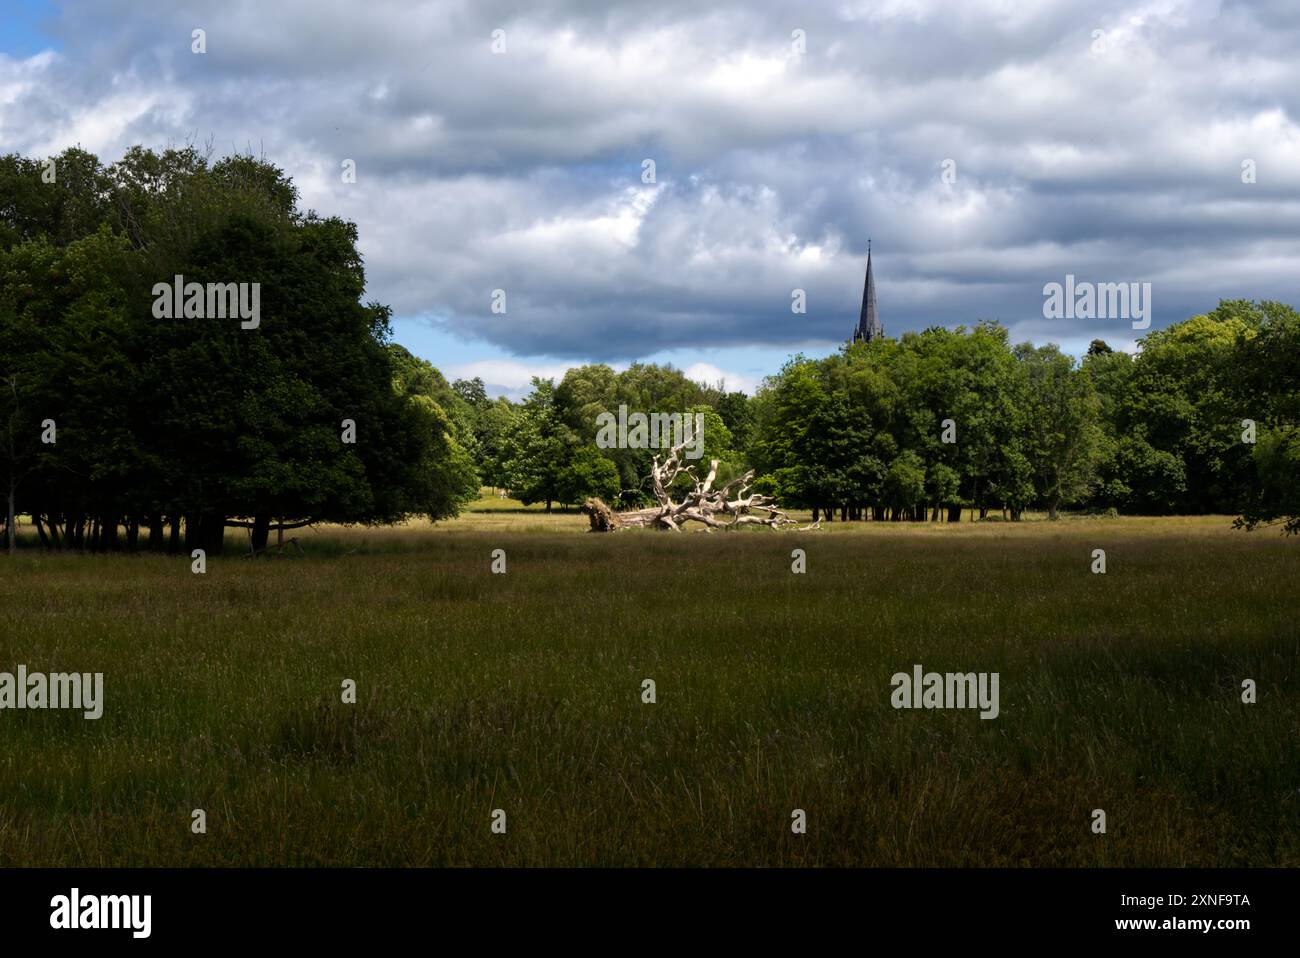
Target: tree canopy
{"x":123,"y":425}
{"x":117,"y":419}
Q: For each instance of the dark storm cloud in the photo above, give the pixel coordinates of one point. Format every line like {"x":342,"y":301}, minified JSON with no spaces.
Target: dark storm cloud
{"x":1115,"y":156}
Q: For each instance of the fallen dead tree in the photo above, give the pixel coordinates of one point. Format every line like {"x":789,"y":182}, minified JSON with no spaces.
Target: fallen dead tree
{"x":726,"y":507}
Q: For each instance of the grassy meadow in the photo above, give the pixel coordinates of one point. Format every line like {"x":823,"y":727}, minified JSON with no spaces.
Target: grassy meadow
{"x":522,"y":692}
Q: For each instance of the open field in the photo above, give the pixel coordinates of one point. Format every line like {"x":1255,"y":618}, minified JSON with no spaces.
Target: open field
{"x":522,"y":692}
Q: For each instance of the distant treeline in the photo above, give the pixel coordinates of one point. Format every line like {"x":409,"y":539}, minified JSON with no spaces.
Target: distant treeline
{"x":1205,"y":418}
{"x":120,"y":429}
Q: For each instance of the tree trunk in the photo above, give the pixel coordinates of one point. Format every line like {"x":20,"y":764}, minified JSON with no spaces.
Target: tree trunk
{"x":214,"y":533}
{"x":261,"y":531}
{"x":156,"y":533}
{"x":10,"y":529}
{"x":954,"y":513}
{"x":174,"y":539}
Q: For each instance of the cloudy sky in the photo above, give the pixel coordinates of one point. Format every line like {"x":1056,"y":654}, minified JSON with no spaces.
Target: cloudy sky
{"x":987,"y":148}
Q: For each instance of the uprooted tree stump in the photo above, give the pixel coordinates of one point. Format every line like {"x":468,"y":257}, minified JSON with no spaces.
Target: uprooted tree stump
{"x":602,"y":517}
{"x":724,"y":508}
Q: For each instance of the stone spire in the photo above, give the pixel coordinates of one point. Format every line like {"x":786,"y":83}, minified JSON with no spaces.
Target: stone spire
{"x":868,"y":327}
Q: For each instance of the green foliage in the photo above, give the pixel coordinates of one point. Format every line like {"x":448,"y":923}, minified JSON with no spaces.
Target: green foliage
{"x":905,"y":481}
{"x":588,"y":474}
{"x":537,"y":447}
{"x":1277,"y":491}
{"x":541,"y":441}
{"x":200,"y":421}
{"x":1062,"y":431}
{"x":1159,"y":432}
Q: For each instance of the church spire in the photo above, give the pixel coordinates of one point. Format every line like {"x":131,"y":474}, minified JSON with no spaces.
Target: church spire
{"x":868,"y":327}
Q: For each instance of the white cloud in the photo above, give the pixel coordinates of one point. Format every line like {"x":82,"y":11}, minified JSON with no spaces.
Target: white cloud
{"x":711,"y":375}
{"x":507,"y":377}
{"x":522,"y":170}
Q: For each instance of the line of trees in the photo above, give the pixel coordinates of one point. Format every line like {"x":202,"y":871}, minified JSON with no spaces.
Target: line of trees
{"x":123,"y":431}
{"x":119,"y":430}
{"x":1203,"y":419}
{"x":544,"y":448}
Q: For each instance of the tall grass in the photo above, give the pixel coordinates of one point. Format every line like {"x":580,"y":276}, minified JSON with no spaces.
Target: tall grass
{"x":523,"y":692}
